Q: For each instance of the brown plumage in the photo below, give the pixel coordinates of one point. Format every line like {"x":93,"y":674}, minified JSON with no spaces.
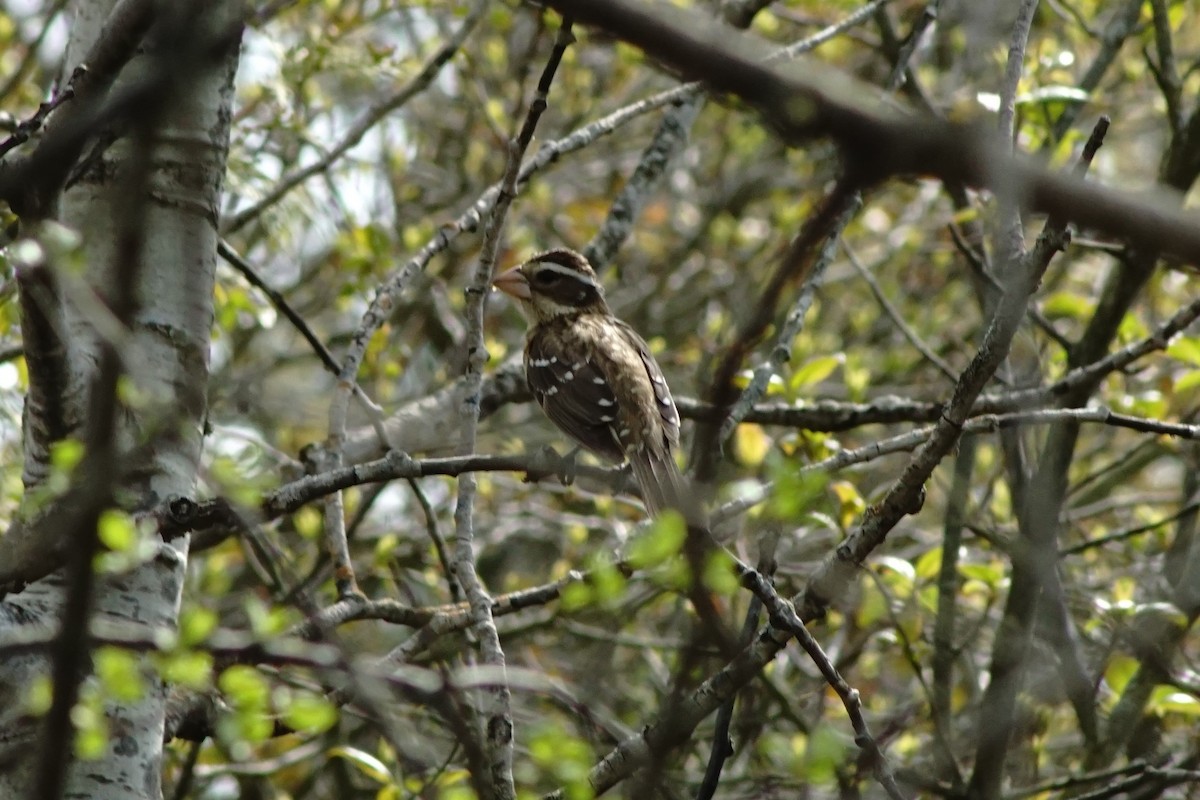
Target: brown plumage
{"x":594,"y":376}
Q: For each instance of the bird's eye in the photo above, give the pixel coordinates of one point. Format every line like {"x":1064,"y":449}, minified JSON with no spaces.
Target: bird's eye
{"x":545,"y":277}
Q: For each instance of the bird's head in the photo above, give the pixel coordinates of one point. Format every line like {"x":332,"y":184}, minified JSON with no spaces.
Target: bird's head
{"x":557,"y":283}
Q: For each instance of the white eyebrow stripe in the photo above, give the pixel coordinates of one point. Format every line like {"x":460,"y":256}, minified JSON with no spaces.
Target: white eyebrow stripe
{"x":554,"y":266}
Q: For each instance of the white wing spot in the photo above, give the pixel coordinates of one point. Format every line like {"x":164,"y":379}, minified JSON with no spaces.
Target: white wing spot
{"x":568,"y":375}
{"x":540,"y":362}
{"x":605,"y":403}
{"x":607,"y":418}
{"x":553,"y":360}
{"x":598,"y":381}
{"x":551,"y":390}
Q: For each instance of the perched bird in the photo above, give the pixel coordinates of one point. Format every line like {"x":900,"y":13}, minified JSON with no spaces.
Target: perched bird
{"x":594,"y":376}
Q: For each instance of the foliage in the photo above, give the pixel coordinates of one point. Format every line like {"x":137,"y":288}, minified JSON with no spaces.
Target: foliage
{"x":595,"y":663}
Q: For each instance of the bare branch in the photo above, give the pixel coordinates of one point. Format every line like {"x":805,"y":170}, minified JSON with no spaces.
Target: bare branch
{"x":363,"y":125}
{"x":877,"y":140}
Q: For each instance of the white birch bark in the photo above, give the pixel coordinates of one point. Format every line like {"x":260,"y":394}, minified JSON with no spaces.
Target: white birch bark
{"x":166,"y":355}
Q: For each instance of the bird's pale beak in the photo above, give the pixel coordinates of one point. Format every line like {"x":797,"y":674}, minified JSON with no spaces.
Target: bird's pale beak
{"x":513,"y":283}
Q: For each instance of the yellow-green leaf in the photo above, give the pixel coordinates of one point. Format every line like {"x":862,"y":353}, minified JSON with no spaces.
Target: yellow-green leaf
{"x":815,"y":370}
{"x":116,"y":530}
{"x":366,"y":763}
{"x":661,"y":542}
{"x":750,"y":444}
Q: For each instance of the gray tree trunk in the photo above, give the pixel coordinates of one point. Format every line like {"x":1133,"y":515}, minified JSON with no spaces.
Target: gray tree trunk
{"x":165,"y":357}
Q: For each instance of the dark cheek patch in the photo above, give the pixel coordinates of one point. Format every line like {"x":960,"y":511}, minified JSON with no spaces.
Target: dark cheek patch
{"x":576,"y":294}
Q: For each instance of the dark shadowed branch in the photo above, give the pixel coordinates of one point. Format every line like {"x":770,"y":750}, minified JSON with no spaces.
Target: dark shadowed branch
{"x":877,"y":140}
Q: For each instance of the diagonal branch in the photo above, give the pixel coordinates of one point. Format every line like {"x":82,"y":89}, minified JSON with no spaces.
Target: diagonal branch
{"x":877,"y":139}
{"x":372,"y":117}
{"x":29,"y":184}
{"x":497,"y":705}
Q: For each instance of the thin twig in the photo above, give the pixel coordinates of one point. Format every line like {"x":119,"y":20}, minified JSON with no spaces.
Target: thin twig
{"x":1130,"y":532}
{"x":235,"y":260}
{"x":436,"y":538}
{"x":671,"y":136}
{"x":31,"y":51}
{"x":1166,"y":73}
{"x":332,"y":456}
{"x":496,"y":707}
{"x":894,"y":314}
{"x":27,"y":128}
{"x":372,"y":117}
{"x":722,"y":746}
{"x":879,"y":140}
{"x":794,"y":267}
{"x":784,"y":618}
{"x":98,"y":471}
{"x":985,"y":423}
{"x":793,"y":324}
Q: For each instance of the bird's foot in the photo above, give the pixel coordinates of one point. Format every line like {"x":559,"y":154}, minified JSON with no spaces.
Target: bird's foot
{"x":548,"y":462}
{"x":567,"y":466}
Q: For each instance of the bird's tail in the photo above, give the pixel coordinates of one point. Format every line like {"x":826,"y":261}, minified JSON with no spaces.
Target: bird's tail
{"x":664,"y":487}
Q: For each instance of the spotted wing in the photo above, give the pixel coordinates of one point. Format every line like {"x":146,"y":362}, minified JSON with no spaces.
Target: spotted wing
{"x":574,"y":394}
{"x":658,"y":476}
{"x":662,"y":393}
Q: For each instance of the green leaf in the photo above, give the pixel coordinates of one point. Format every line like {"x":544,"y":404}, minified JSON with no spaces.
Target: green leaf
{"x":1052,"y":94}
{"x":310,"y":713}
{"x":1118,"y":672}
{"x":1169,"y":700}
{"x":91,"y":728}
{"x":244,"y":686}
{"x":1186,"y":349}
{"x":898,"y":574}
{"x":1189,"y":381}
{"x":750,"y":444}
{"x":117,"y":531}
{"x":190,"y":669}
{"x":824,"y":753}
{"x":119,"y":674}
{"x":661,"y":542}
{"x":66,"y":454}
{"x":566,"y":757}
{"x":608,"y":584}
{"x":1067,"y":305}
{"x":366,"y":763}
{"x":196,"y":624}
{"x":576,"y":596}
{"x":929,"y":564}
{"x":871,"y":605}
{"x":719,"y":574}
{"x":815,"y":370}
{"x":989,"y":574}
{"x":795,"y":493}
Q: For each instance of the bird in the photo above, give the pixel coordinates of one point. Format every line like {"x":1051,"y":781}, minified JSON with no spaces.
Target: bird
{"x":594,"y":376}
